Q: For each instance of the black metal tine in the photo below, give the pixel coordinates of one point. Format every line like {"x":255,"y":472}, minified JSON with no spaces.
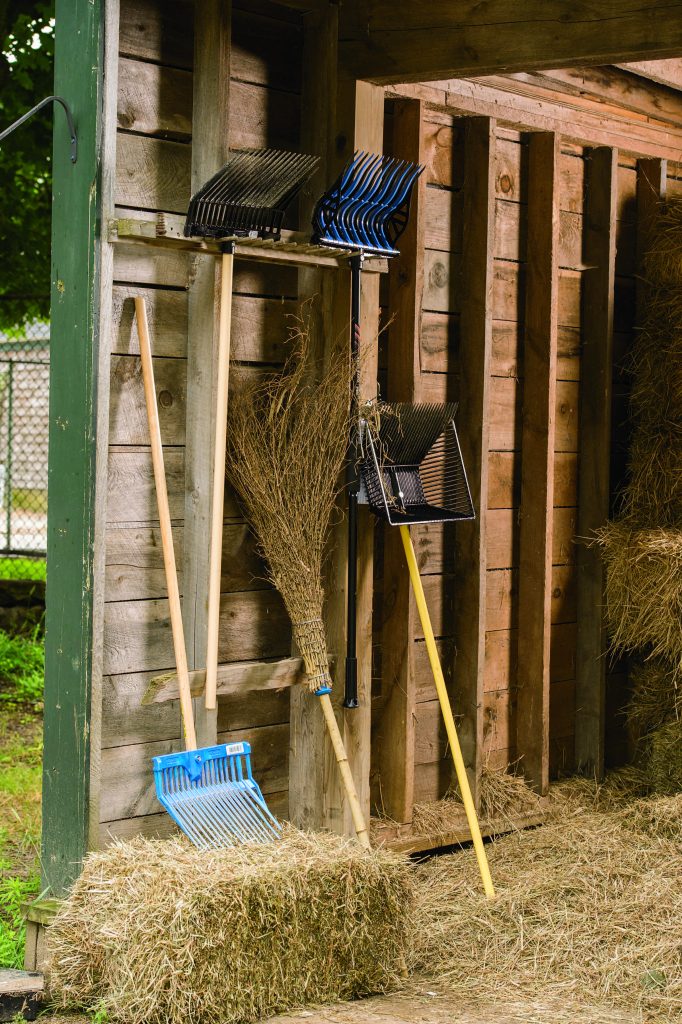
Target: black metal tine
{"x":250,"y":193}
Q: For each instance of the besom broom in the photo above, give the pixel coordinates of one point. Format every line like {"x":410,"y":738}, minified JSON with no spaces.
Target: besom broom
{"x":287,"y":443}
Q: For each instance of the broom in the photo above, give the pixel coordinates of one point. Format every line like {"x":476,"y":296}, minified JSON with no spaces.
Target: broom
{"x":287,"y":444}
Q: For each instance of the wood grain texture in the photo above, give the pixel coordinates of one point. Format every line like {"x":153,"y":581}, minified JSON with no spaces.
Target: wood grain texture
{"x":253,"y":625}
{"x":595,"y":454}
{"x":537,"y":460}
{"x":473,"y":421}
{"x":395,"y":737}
{"x":431,"y":40}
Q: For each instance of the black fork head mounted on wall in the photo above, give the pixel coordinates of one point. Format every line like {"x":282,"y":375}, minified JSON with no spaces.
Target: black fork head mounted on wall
{"x":368,"y":205}
{"x":249,"y":195}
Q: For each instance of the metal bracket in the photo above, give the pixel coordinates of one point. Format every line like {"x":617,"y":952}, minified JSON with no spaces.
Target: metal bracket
{"x":39,"y":106}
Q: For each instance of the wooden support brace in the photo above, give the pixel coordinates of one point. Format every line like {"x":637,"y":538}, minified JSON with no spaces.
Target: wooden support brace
{"x":473,"y":424}
{"x":596,"y":371}
{"x":211,"y":90}
{"x":396,"y":731}
{"x":537,"y":459}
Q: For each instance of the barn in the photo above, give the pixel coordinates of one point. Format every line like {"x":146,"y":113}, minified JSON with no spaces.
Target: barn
{"x":548,"y":136}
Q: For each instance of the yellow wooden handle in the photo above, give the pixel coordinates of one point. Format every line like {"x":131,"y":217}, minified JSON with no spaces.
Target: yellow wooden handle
{"x":344,"y":769}
{"x":165,"y":525}
{"x":444,"y":699}
{"x":217,"y":499}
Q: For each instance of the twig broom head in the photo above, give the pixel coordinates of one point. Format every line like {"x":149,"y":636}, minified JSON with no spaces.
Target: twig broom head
{"x":287,"y":442}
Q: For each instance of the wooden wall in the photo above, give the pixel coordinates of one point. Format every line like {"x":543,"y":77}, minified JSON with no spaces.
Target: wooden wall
{"x":153,"y":174}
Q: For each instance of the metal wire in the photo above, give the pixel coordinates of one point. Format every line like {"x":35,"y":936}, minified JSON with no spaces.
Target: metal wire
{"x":413,"y":470}
{"x":24,"y":403}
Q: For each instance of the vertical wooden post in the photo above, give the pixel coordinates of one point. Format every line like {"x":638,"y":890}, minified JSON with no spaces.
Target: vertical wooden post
{"x":596,"y":371}
{"x":537,"y":458}
{"x":406,"y":286}
{"x":651,"y":189}
{"x":339,"y":115}
{"x":82,"y":263}
{"x":211,"y":91}
{"x":473,"y":424}
{"x":359,"y":125}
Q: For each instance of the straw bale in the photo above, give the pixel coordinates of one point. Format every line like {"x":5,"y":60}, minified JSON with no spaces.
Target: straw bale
{"x":654,"y":697}
{"x":663,"y":261}
{"x":586,"y":909}
{"x":662,"y":763}
{"x":644,"y":589}
{"x":158,"y":932}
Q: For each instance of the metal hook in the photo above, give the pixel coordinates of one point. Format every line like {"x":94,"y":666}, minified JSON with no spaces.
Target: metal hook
{"x":39,"y":106}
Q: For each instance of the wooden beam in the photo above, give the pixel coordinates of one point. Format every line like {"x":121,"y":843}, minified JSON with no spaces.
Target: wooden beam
{"x":458,"y":97}
{"x":596,"y":370}
{"x":651,"y":189}
{"x":473,"y":424}
{"x":307,"y":734}
{"x":235,"y":677}
{"x":360,"y":124}
{"x":609,"y":90}
{"x":537,"y":458}
{"x":664,"y":72}
{"x":395,"y":730}
{"x":339,"y":115}
{"x":211,"y":91}
{"x":82,"y":265}
{"x":423,"y":40}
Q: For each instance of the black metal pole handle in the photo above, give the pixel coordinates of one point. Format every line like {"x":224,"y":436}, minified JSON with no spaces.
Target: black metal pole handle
{"x":39,"y":106}
{"x":350,"y":699}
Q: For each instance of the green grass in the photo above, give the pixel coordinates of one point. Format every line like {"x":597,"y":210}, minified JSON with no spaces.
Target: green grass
{"x":21,"y":689}
{"x":23,"y":569}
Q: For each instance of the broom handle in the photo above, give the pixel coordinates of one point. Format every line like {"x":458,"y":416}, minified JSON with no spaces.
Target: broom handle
{"x":218,"y":495}
{"x":439,"y":680}
{"x":165,"y":524}
{"x":344,"y":769}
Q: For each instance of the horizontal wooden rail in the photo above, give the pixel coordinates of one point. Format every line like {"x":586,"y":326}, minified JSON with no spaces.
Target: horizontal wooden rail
{"x":237,"y":677}
{"x":294,"y":248}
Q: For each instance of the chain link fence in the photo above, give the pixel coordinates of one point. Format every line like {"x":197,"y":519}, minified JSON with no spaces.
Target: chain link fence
{"x":24,"y":398}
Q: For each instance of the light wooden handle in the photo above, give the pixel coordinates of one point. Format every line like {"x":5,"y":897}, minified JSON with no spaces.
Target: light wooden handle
{"x":165,"y":524}
{"x":344,"y":769}
{"x":217,"y":499}
{"x":446,"y":710}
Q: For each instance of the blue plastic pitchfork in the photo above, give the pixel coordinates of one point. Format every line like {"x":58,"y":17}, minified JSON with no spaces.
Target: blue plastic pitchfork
{"x":210,"y":793}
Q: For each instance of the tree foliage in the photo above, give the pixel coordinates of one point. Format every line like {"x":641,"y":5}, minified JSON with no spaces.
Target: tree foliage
{"x":26,"y":77}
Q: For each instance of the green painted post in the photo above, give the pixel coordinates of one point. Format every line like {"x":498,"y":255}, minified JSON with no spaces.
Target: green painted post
{"x":76,"y":227}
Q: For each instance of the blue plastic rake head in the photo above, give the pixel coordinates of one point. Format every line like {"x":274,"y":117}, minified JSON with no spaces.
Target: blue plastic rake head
{"x":213,"y":797}
{"x":368,"y":205}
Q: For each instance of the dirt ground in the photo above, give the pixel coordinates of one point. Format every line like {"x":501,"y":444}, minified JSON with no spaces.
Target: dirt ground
{"x":421,"y":1003}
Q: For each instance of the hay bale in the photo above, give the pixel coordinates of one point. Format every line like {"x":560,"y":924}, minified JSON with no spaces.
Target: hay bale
{"x":644,"y":589}
{"x":654,"y":697}
{"x":662,"y":764}
{"x":663,"y":261}
{"x":162,"y":933}
{"x":585,"y":909}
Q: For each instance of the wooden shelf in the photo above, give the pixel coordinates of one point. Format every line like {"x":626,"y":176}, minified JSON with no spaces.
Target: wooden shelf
{"x":293,"y":249}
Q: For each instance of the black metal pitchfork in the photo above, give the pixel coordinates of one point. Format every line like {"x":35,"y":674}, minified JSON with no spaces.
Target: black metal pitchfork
{"x":365,"y":210}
